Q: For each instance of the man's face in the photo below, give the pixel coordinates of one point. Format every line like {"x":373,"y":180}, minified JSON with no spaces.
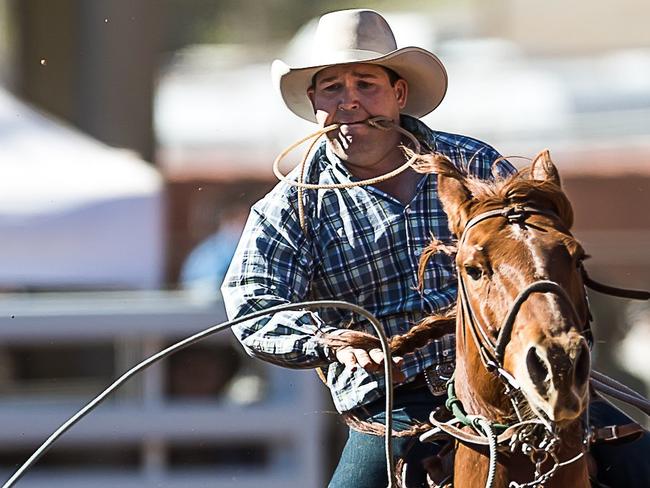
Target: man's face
{"x":353,"y":93}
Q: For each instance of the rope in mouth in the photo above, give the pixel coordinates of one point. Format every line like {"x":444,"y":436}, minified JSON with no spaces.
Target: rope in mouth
{"x":378,"y":122}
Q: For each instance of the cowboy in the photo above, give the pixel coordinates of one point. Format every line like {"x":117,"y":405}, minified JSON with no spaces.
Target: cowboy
{"x":361,"y":244}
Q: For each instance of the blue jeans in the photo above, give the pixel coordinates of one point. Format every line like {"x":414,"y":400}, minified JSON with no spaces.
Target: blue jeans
{"x":363,"y":461}
{"x":363,"y":465}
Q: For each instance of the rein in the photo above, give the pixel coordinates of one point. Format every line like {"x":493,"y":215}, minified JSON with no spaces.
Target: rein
{"x":612,"y":290}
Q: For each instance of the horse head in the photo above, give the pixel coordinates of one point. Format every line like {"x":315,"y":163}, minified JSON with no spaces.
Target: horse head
{"x":522,"y":306}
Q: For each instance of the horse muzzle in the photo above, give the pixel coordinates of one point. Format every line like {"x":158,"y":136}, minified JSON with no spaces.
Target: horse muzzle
{"x":557,"y":372}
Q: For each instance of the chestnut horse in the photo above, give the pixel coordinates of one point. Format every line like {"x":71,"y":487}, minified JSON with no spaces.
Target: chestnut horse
{"x":521,"y":323}
{"x":522,"y":318}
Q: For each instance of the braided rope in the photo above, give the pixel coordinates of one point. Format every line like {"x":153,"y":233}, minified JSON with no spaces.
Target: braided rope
{"x":481,"y":422}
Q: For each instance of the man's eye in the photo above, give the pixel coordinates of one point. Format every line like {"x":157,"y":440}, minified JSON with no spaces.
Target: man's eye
{"x":364,"y":84}
{"x":331,"y":88}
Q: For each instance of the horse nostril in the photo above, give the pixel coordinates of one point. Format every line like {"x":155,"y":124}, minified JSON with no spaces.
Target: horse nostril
{"x":582,"y":365}
{"x":538,"y":372}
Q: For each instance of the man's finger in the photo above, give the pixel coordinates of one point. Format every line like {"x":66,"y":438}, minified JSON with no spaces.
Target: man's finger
{"x":352,"y":358}
{"x":364,"y":360}
{"x":372,"y":361}
{"x":377,"y":355}
{"x":346,"y":356}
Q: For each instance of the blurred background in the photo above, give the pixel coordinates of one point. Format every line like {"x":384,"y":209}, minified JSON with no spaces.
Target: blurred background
{"x":135,"y":134}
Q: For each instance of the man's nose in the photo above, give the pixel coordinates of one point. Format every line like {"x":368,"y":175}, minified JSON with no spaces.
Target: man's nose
{"x":349,"y":100}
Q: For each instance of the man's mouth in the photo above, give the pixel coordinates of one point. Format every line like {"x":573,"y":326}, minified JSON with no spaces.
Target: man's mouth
{"x":351,"y":128}
{"x":351,"y":122}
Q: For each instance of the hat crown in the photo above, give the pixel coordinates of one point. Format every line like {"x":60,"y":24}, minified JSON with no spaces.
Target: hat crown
{"x":352,"y":30}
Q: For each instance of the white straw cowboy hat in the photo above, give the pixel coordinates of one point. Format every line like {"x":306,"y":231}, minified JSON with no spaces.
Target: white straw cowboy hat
{"x":362,"y":36}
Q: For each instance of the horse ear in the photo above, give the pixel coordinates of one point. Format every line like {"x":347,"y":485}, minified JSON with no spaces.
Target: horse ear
{"x":543,"y":168}
{"x":455,"y":198}
{"x":452,"y":188}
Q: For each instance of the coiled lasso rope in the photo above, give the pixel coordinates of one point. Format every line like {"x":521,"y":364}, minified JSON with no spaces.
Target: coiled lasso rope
{"x":212,"y":330}
{"x":378,"y":122}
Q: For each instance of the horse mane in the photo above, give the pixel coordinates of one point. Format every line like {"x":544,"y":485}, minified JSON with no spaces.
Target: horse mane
{"x":520,"y":187}
{"x":427,"y":329}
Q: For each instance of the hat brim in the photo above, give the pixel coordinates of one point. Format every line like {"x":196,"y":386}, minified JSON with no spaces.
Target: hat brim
{"x":425,"y":74}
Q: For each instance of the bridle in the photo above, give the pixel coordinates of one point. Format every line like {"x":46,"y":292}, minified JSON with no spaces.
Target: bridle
{"x":492,"y":353}
{"x":536,"y":438}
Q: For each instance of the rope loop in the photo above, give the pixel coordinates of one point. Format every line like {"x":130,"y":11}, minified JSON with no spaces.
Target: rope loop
{"x":378,"y":122}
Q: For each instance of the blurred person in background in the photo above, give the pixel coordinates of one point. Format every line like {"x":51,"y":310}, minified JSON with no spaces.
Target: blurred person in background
{"x":205,"y":267}
{"x":363,"y":244}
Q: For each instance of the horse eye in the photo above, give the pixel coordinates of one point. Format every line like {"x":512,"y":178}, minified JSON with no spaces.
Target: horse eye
{"x":473,"y":272}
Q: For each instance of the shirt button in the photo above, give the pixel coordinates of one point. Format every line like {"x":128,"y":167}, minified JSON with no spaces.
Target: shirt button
{"x":417,"y":252}
{"x":407,"y":210}
{"x":427,"y":291}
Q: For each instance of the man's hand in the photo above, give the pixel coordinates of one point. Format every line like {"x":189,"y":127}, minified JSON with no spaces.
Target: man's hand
{"x":371,"y":360}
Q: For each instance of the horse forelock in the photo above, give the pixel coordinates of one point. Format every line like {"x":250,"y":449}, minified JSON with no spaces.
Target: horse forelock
{"x":519,"y":188}
{"x":502,"y":192}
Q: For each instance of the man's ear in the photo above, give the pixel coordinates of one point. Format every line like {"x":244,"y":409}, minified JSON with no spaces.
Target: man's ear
{"x":401,"y":89}
{"x":543,"y":168}
{"x":310,"y":94}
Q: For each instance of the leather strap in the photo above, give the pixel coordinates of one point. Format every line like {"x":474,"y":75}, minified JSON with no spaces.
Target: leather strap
{"x":466,"y":437}
{"x":612,"y":290}
{"x":612,"y":433}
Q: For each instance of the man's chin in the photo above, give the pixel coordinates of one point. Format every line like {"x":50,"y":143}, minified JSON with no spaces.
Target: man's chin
{"x":347,"y":151}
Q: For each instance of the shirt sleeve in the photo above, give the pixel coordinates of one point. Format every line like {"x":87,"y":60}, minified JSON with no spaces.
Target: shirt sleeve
{"x":273,"y":265}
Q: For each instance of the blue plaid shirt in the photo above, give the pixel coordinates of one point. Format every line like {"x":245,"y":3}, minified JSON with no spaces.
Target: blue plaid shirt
{"x":361,"y":245}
